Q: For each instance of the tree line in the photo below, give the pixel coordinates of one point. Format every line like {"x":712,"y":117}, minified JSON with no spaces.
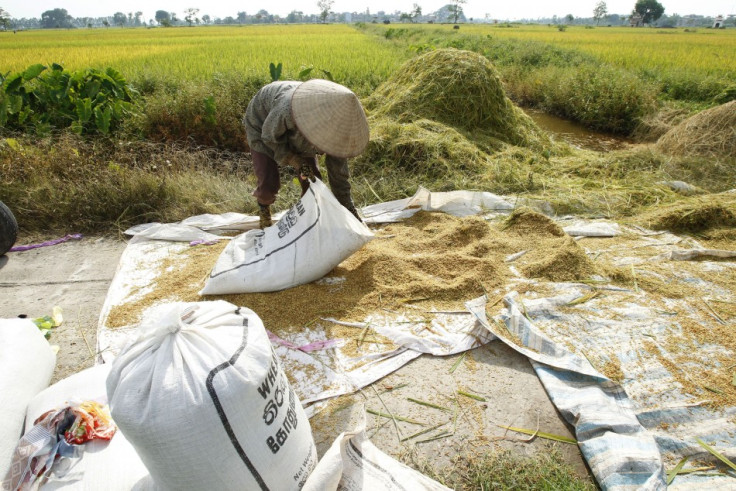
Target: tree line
{"x":645,"y":12}
{"x":60,"y":18}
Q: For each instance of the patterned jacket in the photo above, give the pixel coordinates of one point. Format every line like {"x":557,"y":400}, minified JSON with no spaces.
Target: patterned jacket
{"x":271,"y":130}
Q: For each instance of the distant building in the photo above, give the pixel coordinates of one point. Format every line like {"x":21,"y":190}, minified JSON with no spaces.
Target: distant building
{"x":718,"y":22}
{"x":635,"y":20}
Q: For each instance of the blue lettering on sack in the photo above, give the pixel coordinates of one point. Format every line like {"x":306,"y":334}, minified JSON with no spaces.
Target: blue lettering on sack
{"x":290,"y":219}
{"x":276,"y":442}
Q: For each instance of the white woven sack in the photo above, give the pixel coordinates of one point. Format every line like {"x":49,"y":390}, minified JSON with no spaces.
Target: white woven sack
{"x":313,"y":237}
{"x":353,"y":463}
{"x":26,"y":366}
{"x":203,"y":398}
{"x":111,"y":465}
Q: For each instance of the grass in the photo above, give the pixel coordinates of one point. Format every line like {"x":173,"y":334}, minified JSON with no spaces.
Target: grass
{"x":605,"y":78}
{"x":654,"y":50}
{"x":197,"y":82}
{"x":198,"y":53}
{"x":676,"y":58}
{"x":509,"y":470}
{"x":65,"y":183}
{"x":184,"y":151}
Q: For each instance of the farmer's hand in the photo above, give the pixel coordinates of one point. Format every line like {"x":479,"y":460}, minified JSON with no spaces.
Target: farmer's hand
{"x":264,"y":215}
{"x":352,"y":210}
{"x":293,"y":160}
{"x":306,"y":171}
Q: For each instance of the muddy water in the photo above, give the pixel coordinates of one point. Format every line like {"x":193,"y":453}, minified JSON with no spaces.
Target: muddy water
{"x":575,"y":134}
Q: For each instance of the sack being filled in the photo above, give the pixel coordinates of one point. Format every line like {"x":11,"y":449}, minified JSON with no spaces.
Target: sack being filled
{"x":202,"y":397}
{"x":312,"y":237}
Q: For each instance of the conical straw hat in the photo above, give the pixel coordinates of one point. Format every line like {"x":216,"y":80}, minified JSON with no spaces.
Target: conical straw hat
{"x":330,"y":117}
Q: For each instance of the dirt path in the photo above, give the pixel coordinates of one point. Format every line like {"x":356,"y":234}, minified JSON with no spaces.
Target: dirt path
{"x":76,"y":276}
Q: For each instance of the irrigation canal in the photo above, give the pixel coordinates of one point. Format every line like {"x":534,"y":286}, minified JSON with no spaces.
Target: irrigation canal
{"x":575,"y":134}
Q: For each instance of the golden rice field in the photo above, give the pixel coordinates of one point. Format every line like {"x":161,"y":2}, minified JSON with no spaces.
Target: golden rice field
{"x":201,"y":52}
{"x":348,"y":53}
{"x":707,"y":51}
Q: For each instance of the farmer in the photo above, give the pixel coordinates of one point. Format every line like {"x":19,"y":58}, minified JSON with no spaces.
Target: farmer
{"x":290,"y":123}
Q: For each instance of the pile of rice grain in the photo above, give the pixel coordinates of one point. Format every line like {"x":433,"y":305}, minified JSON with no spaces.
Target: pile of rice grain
{"x":552,"y":254}
{"x":430,"y":260}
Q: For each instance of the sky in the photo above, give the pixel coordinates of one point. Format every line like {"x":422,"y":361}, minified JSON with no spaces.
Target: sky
{"x":506,"y":10}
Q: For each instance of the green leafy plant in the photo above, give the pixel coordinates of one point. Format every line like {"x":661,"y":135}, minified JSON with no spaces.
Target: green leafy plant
{"x":421,"y":48}
{"x":275,"y":71}
{"x":728,"y":94}
{"x":87,"y":101}
{"x":307,"y":71}
{"x":327,"y":74}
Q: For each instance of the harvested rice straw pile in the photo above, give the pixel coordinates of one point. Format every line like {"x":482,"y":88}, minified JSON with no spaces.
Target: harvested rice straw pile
{"x":458,"y":88}
{"x":693,"y":215}
{"x":710,"y":133}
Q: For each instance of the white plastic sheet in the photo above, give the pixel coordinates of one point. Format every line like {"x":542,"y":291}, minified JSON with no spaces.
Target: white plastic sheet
{"x":673,"y":421}
{"x":613,"y":329}
{"x":599,"y":228}
{"x":620,"y":452}
{"x":457,"y":203}
{"x":690,"y":254}
{"x":170,"y":231}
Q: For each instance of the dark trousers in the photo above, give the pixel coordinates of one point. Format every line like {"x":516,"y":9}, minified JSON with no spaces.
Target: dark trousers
{"x":269,"y":179}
